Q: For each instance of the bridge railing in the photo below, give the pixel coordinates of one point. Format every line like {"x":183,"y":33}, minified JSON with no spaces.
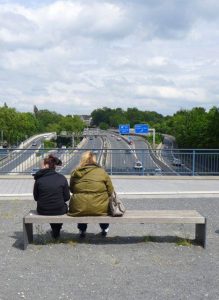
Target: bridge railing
{"x":129,"y":161}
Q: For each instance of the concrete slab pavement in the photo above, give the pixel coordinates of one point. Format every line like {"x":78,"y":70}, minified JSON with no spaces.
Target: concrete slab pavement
{"x":21,"y":187}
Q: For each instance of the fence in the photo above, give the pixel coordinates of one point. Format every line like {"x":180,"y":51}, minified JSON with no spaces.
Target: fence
{"x":127,"y":161}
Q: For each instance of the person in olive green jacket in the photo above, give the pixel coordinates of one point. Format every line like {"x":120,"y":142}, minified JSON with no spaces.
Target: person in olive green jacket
{"x":91,"y":187}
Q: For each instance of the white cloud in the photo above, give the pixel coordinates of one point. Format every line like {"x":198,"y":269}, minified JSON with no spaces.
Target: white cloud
{"x":158,"y":55}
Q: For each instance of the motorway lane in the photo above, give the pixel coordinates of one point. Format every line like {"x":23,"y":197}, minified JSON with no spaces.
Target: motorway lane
{"x":169,"y":152}
{"x":143,"y":154}
{"x":120,"y":159}
{"x":69,"y":157}
{"x":72,"y":158}
{"x":24,"y":160}
{"x":19,"y":160}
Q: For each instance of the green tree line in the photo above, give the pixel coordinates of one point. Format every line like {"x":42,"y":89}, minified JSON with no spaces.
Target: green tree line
{"x":17,"y":126}
{"x":195,"y":128}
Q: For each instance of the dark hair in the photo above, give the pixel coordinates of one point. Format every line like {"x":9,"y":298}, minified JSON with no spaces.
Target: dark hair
{"x":52,"y":161}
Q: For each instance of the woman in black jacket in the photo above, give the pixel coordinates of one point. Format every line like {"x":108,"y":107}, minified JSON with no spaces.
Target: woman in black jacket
{"x":51,"y":191}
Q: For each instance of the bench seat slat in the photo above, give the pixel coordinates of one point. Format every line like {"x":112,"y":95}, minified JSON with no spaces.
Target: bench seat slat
{"x":130,"y":216}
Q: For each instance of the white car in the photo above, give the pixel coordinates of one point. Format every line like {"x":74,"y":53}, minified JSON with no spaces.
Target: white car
{"x":138,"y":165}
{"x":158,"y":171}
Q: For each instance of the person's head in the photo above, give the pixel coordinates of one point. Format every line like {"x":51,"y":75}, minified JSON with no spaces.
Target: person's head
{"x":50,"y":162}
{"x":87,"y":158}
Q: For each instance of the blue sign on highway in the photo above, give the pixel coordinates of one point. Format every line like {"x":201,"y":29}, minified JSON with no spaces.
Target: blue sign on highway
{"x":124,"y":128}
{"x":141,"y":128}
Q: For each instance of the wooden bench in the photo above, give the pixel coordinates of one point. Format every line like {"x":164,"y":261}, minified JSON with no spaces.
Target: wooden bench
{"x":130,"y":217}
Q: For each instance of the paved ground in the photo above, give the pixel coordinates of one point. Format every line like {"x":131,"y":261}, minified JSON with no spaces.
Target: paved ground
{"x":14,"y":187}
{"x":133,"y":262}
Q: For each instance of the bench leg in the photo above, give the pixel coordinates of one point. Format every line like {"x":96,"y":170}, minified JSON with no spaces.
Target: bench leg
{"x":27,"y":233}
{"x":200,"y":234}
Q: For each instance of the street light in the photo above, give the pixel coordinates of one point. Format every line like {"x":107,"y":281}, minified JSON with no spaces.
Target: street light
{"x":2,"y":137}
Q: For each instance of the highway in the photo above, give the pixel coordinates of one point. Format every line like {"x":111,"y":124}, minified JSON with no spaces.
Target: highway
{"x":179,"y":161}
{"x":113,"y":151}
{"x":122,"y":156}
{"x":71,"y":158}
{"x":20,"y":160}
{"x":128,"y":155}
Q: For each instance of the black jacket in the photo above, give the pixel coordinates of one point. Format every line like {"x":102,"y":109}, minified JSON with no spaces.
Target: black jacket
{"x":51,"y":191}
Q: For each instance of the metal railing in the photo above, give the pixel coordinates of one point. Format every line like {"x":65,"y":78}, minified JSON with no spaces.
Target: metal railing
{"x":191,"y":162}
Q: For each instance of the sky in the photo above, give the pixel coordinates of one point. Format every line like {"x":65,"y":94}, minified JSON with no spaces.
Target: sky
{"x":76,"y":56}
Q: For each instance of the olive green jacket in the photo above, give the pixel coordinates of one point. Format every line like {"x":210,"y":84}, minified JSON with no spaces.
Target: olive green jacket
{"x":91,"y":187}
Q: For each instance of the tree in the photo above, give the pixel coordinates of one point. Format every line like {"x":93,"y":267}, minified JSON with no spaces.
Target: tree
{"x":72,"y":124}
{"x":46,"y":117}
{"x":103,"y":126}
{"x":27,"y":125}
{"x":189,"y":127}
{"x":8,"y":123}
{"x":101,"y":115}
{"x":212,"y":138}
{"x":134,"y":116}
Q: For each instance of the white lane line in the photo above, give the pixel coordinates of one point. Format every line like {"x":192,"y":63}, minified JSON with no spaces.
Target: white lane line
{"x":131,"y":193}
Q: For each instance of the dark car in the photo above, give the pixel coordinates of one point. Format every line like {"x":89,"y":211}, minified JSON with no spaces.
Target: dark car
{"x":177,"y":162}
{"x":138,"y":165}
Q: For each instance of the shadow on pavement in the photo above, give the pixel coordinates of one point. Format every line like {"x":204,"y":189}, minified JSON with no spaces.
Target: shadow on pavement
{"x":18,"y":236}
{"x":97,"y":239}
{"x":217,"y":231}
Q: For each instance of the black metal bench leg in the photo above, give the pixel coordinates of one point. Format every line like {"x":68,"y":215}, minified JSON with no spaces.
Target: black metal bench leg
{"x":27,"y":233}
{"x":200,"y":234}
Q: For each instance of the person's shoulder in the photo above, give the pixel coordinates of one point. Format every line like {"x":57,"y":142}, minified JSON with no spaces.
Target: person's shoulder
{"x":59,"y":175}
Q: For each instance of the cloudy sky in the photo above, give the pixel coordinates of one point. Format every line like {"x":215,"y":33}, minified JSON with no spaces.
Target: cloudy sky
{"x":75,"y":56}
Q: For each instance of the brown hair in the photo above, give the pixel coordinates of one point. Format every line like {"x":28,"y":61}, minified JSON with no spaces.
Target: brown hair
{"x":52,"y":161}
{"x":87,"y":158}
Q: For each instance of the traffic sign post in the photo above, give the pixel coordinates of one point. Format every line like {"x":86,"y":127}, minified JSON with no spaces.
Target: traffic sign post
{"x":153,"y":130}
{"x":124,"y":128}
{"x":144,"y":129}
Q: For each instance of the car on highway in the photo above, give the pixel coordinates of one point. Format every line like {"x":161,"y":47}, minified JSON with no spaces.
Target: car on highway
{"x":176,"y":162}
{"x":128,"y":151}
{"x":138,"y":165}
{"x":118,"y":138}
{"x":34,"y":144}
{"x":34,"y":170}
{"x":157,"y":171}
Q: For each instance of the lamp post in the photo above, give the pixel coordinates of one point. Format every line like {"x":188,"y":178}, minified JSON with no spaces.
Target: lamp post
{"x":153,"y":130}
{"x":2,"y":137}
{"x":73,"y":139}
